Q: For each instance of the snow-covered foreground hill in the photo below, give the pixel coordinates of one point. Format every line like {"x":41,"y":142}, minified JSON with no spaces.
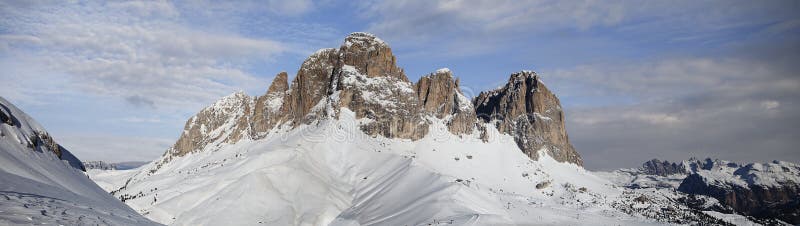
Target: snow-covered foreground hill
{"x":42,"y":183}
{"x":332,"y":173}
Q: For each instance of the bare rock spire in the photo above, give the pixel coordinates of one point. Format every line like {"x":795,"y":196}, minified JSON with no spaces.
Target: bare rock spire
{"x":439,"y":95}
{"x":527,"y":110}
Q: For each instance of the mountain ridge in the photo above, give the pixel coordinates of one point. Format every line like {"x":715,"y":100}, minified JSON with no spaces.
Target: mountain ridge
{"x":362,"y":75}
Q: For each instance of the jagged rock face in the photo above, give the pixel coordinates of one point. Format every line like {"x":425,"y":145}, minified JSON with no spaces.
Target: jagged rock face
{"x":267,"y":111}
{"x":439,"y":95}
{"x":527,"y":110}
{"x":370,"y":55}
{"x":769,"y":190}
{"x":370,"y":84}
{"x":663,"y":168}
{"x":224,"y":121}
{"x":388,"y":104}
{"x":310,"y":86}
{"x":363,"y":76}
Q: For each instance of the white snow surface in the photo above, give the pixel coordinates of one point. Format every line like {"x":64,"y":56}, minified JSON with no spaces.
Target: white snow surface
{"x":110,"y":180}
{"x":331,"y":173}
{"x":772,"y":174}
{"x":36,"y":187}
{"x":735,"y":219}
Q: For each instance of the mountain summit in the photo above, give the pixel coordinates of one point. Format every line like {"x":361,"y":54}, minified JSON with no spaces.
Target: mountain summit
{"x":362,"y":75}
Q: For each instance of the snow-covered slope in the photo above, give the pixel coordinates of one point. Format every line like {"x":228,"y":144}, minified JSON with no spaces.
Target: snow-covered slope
{"x":42,"y":183}
{"x":333,"y":173}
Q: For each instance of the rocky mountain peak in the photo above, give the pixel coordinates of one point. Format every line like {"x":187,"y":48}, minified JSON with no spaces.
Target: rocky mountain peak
{"x":370,"y":55}
{"x":279,"y":84}
{"x":527,"y":110}
{"x":440,"y":95}
{"x":312,"y":84}
{"x":218,"y":122}
{"x":362,"y":76}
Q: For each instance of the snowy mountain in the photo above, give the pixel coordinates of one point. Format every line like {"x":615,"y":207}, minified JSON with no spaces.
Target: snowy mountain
{"x":765,"y":191}
{"x":43,"y":183}
{"x":353,"y":142}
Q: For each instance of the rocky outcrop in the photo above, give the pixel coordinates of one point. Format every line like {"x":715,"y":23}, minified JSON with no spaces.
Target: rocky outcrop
{"x":369,"y":83}
{"x":223,"y":121}
{"x":362,"y":76}
{"x":663,"y":168}
{"x":439,"y":95}
{"x":527,"y":110}
{"x":370,"y":55}
{"x":310,"y":86}
{"x":268,"y":109}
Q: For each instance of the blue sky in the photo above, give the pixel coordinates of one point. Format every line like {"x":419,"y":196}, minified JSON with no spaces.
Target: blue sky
{"x":639,"y":79}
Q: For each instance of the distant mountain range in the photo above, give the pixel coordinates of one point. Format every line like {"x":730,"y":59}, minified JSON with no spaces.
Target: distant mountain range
{"x":101,"y":165}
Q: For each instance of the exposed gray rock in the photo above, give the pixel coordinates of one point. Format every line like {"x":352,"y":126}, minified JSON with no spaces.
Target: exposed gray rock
{"x":527,"y":110}
{"x":440,"y":95}
{"x":663,"y":168}
{"x":369,"y":83}
{"x":269,"y":109}
{"x":362,"y":76}
{"x":223,"y":121}
{"x":310,"y":86}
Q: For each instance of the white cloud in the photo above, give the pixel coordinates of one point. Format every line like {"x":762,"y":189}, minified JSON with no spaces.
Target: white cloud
{"x":474,"y":27}
{"x":290,"y":7}
{"x":654,"y":118}
{"x":668,"y":79}
{"x":141,"y":52}
{"x":681,"y":107}
{"x":770,"y":104}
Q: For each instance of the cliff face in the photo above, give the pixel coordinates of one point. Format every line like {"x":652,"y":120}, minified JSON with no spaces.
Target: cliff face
{"x":370,"y":84}
{"x":225,"y":120}
{"x":269,"y":109}
{"x":439,"y":95}
{"x":362,"y":75}
{"x":310,"y":86}
{"x":527,"y":110}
